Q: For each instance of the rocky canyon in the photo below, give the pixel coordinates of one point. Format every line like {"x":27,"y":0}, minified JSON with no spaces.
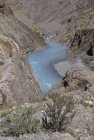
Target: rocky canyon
{"x":24,"y":26}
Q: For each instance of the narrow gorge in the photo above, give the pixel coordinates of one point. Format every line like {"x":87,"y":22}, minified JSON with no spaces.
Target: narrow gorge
{"x":46,"y":69}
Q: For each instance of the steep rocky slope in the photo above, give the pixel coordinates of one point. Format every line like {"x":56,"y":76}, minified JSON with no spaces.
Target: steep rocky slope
{"x":70,"y":21}
{"x":61,"y":17}
{"x":16,"y":40}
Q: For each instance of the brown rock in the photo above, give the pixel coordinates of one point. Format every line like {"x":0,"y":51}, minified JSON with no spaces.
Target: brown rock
{"x":2,"y":6}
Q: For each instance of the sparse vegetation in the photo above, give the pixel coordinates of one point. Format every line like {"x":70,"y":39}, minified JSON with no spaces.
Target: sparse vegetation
{"x":59,"y":113}
{"x":21,"y":122}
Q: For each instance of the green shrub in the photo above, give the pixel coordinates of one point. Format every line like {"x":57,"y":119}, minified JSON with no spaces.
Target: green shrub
{"x":59,"y":113}
{"x":21,"y":122}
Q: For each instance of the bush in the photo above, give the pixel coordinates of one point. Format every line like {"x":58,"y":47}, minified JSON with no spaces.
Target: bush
{"x":21,"y":123}
{"x":59,"y":113}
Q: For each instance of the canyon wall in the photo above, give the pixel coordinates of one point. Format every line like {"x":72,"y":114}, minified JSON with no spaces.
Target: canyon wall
{"x":61,"y":17}
{"x":16,"y":40}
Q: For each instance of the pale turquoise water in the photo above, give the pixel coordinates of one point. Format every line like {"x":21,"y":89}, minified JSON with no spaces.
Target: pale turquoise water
{"x":42,"y":64}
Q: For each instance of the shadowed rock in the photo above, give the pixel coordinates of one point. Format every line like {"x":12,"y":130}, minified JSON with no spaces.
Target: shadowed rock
{"x":90,"y":51}
{"x":2,"y":6}
{"x":65,"y":84}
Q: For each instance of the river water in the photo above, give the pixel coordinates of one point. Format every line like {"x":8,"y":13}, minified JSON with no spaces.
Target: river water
{"x":42,"y":64}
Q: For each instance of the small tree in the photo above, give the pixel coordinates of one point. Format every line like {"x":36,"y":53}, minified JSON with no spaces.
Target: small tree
{"x":21,"y":122}
{"x":59,"y":113}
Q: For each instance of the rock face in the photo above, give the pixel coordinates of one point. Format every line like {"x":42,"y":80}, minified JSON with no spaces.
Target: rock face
{"x":16,"y":40}
{"x":85,"y":49}
{"x":83,"y":39}
{"x":61,"y":17}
